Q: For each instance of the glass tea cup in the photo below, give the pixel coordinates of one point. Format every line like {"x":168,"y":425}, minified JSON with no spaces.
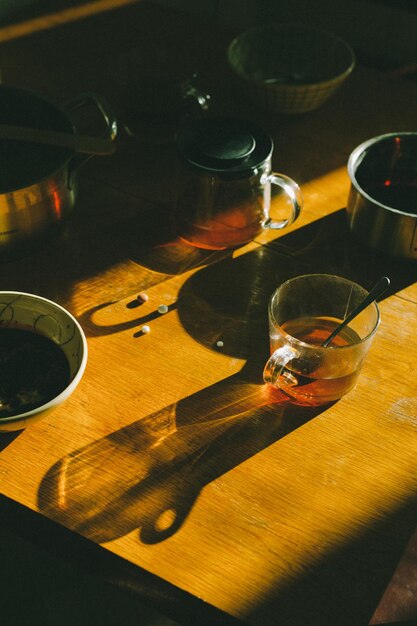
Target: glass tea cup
{"x":303,"y":312}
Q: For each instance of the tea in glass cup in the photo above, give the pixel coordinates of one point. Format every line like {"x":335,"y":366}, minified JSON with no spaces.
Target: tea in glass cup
{"x":303,"y":312}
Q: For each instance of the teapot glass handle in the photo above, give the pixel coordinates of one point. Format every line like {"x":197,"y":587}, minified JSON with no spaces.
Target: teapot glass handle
{"x":291,"y":189}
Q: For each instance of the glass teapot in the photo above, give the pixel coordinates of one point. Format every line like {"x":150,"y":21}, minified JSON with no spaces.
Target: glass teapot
{"x":224,"y":185}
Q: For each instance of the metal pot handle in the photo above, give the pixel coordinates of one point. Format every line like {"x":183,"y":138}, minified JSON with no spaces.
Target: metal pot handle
{"x":110,"y":131}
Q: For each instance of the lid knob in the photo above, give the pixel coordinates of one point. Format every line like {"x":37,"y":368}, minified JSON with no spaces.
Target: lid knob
{"x":227,"y":145}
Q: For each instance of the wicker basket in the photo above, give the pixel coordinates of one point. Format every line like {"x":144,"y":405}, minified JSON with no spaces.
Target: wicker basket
{"x":288,"y":68}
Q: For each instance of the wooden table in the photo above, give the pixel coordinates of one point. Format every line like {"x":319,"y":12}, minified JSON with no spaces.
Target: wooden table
{"x":173,"y":470}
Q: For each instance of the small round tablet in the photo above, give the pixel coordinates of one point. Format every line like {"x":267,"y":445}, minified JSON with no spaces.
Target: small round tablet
{"x":142,"y":297}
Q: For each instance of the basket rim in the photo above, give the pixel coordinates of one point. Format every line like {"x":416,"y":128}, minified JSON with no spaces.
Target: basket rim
{"x":286,"y":27}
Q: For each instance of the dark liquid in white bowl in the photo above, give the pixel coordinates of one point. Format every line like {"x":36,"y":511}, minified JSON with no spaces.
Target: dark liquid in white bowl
{"x":33,"y":370}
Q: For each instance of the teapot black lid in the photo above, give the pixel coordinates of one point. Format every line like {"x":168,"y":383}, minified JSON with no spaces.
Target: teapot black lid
{"x":224,"y":146}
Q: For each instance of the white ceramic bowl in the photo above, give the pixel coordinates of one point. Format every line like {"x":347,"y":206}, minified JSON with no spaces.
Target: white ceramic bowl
{"x":289,"y":68}
{"x":42,"y":316}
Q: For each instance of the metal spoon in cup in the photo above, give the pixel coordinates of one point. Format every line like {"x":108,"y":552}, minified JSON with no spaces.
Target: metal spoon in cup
{"x":376,"y":291}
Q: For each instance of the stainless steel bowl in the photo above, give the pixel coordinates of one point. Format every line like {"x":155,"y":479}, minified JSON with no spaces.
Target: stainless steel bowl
{"x":382,"y":202}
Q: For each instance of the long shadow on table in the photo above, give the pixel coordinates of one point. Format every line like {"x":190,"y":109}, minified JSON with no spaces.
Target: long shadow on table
{"x":229,"y":287}
{"x":164,"y":461}
{"x":327,"y":245}
{"x":149,"y":474}
{"x":166,"y":458}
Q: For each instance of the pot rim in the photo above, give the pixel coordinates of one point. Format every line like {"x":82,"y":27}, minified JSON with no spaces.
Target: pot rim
{"x":62,"y":163}
{"x":354,"y":160}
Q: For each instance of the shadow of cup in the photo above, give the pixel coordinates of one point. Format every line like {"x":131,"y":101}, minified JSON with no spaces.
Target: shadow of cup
{"x":228,"y":302}
{"x":148,"y":475}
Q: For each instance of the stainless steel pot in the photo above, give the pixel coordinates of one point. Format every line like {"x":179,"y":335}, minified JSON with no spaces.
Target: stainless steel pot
{"x":382,"y":203}
{"x":38,"y":183}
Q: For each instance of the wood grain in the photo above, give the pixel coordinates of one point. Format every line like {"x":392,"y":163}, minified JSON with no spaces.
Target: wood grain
{"x":172,"y":454}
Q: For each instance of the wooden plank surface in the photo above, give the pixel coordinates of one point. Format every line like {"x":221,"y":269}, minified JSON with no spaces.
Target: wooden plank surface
{"x":172,"y":454}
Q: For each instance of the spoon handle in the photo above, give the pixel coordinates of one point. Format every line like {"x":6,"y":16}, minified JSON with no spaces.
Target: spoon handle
{"x":376,"y":291}
{"x":79,"y":143}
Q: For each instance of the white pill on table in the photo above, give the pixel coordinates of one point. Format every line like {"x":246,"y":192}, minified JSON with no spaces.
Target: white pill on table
{"x":142,"y":297}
